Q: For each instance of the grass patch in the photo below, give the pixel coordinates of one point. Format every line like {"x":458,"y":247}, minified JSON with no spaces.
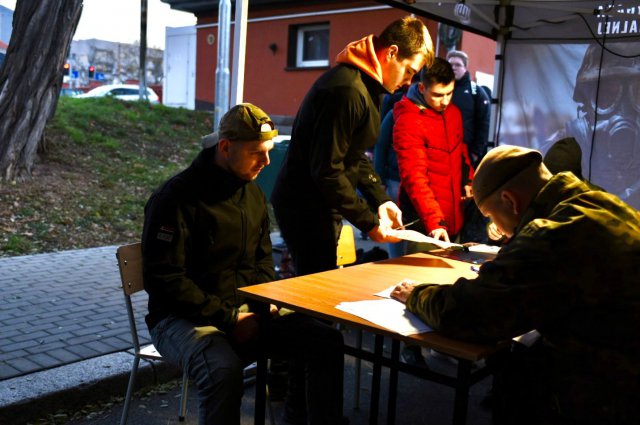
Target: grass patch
{"x":103,"y":159}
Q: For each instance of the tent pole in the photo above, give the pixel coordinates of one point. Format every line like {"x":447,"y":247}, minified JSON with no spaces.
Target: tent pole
{"x":239,"y":52}
{"x":496,"y":93}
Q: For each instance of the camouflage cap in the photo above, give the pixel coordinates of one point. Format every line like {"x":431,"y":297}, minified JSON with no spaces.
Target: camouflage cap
{"x":242,"y":123}
{"x":499,"y":166}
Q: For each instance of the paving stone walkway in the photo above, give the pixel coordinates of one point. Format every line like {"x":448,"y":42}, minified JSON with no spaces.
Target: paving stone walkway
{"x":60,"y":308}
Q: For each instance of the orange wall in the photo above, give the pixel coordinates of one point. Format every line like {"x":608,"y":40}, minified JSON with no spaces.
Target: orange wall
{"x":481,"y":51}
{"x":267,"y":81}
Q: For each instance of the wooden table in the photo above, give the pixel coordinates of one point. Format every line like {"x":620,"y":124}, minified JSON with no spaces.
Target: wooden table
{"x":317,"y":295}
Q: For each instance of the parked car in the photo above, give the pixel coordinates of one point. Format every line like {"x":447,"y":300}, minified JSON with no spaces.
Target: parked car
{"x":120,"y":91}
{"x":65,"y":91}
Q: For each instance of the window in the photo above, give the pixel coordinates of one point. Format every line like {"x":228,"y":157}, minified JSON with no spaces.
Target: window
{"x":311,"y":45}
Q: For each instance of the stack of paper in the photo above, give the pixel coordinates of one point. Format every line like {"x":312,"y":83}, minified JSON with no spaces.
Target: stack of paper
{"x":388,"y":313}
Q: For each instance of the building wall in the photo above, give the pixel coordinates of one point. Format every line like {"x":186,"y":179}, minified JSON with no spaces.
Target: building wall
{"x":268,"y":82}
{"x":481,"y":51}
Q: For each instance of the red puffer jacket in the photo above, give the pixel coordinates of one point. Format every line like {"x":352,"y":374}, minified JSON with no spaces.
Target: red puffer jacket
{"x":431,"y":153}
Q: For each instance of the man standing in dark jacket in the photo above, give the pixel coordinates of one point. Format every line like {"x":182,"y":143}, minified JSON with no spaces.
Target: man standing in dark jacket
{"x":337,"y":122}
{"x":474,"y":104}
{"x":475,"y":107}
{"x":206,"y":233}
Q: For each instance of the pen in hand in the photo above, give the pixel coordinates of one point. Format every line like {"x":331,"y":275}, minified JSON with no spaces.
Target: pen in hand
{"x":404,"y":226}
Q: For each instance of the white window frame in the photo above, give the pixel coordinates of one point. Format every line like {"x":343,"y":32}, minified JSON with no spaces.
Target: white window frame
{"x":300,"y":63}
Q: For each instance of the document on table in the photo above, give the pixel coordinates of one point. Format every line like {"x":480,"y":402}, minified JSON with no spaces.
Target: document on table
{"x":388,"y":313}
{"x":484,"y":249}
{"x":412,"y":235}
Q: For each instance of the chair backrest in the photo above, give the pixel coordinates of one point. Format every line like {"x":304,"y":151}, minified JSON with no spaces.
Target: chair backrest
{"x":346,"y":251}
{"x":130,"y":264}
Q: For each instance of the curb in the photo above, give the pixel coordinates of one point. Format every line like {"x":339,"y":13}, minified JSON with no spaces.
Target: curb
{"x":70,"y":387}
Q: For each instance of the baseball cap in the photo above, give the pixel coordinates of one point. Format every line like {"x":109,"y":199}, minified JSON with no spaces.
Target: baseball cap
{"x":242,"y":123}
{"x":499,"y":166}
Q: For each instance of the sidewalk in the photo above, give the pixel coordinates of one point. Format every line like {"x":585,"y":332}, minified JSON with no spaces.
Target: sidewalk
{"x":64,"y":337}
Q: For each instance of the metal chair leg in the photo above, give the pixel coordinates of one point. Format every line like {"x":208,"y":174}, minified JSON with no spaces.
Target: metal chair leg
{"x":130,"y":386}
{"x":272,"y":418}
{"x":183,"y":397}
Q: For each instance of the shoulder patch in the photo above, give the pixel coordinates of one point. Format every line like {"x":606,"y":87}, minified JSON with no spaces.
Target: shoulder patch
{"x":165,"y":234}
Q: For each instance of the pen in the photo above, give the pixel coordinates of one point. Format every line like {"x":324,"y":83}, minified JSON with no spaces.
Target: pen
{"x":475,"y":269}
{"x":404,"y":226}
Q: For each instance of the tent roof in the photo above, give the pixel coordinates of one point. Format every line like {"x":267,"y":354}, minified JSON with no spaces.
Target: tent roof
{"x":533,"y":19}
{"x":196,"y":6}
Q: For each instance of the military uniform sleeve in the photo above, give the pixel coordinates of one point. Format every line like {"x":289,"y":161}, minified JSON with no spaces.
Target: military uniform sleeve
{"x":513,"y":294}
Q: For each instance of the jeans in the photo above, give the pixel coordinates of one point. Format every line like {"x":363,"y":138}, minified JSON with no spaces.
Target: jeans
{"x":215,"y":364}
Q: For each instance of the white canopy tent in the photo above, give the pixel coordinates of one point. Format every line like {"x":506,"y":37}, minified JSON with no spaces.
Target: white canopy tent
{"x":563,"y":68}
{"x":525,"y":19}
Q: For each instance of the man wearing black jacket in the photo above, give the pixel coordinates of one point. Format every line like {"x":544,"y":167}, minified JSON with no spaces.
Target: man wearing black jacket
{"x":326,"y":166}
{"x":474,"y":104}
{"x":206,"y":234}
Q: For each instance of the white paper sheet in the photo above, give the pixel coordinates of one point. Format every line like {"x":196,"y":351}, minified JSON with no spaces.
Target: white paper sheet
{"x":484,"y":249}
{"x":386,"y":293}
{"x":412,"y":235}
{"x":388,"y":313}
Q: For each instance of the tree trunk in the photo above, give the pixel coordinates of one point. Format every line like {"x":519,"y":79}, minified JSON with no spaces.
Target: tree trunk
{"x":31,"y":78}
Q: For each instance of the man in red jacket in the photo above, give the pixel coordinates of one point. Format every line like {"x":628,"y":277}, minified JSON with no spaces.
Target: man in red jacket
{"x":435,"y":170}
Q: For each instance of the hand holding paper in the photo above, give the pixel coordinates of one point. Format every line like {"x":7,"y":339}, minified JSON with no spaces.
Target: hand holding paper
{"x":412,"y":235}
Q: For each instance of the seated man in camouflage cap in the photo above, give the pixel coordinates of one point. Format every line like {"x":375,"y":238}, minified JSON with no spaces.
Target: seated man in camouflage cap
{"x":206,"y":233}
{"x":570,"y":271}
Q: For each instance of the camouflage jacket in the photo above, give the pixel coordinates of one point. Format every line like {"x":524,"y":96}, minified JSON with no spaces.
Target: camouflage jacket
{"x":571,"y":271}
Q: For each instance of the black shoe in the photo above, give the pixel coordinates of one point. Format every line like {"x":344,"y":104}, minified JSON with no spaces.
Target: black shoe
{"x":412,"y":355}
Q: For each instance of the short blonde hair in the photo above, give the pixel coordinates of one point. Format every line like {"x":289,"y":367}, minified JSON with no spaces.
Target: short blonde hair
{"x":459,"y":54}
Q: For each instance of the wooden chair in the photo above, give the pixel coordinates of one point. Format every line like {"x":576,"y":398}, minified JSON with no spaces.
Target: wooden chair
{"x":346,"y":254}
{"x":130,"y":264}
{"x":346,"y":251}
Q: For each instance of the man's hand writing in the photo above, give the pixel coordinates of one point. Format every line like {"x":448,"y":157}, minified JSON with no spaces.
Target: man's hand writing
{"x":402,"y":291}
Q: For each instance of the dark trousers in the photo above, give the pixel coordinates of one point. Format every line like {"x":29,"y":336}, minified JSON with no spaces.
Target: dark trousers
{"x":532,"y":386}
{"x":215,"y":364}
{"x":312,"y":239}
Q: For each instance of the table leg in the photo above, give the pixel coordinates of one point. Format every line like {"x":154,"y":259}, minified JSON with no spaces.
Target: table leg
{"x":261,"y":383}
{"x":356,"y":398}
{"x":377,"y":376}
{"x":261,"y":370}
{"x":463,"y":383}
{"x":393,"y":382}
